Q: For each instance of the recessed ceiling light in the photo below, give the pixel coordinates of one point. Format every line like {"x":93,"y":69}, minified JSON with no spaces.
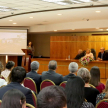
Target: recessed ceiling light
{"x":55,"y":30}
{"x":59,"y":14}
{"x":14,"y":23}
{"x":10,"y":20}
{"x":73,"y":29}
{"x":31,"y":17}
{"x":97,"y":11}
{"x":106,"y":29}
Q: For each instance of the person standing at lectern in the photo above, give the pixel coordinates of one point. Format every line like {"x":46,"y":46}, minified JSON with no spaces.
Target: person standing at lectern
{"x":102,"y":55}
{"x":31,"y":47}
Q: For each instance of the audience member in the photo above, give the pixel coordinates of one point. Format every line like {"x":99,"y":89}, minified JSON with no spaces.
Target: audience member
{"x":102,"y":55}
{"x":17,"y":77}
{"x":51,"y":73}
{"x":73,"y":68}
{"x":2,"y":81}
{"x":80,"y":54}
{"x":8,"y":68}
{"x":75,"y":93}
{"x":95,"y":79}
{"x":103,"y":95}
{"x":34,"y":75}
{"x":90,"y":93}
{"x":13,"y":99}
{"x":51,"y":97}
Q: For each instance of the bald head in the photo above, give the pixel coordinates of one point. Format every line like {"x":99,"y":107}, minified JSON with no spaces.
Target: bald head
{"x":102,"y":50}
{"x":52,"y":65}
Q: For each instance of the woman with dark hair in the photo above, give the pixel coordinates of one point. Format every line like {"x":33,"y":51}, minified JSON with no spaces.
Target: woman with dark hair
{"x":95,"y":79}
{"x":9,"y":66}
{"x":103,"y":95}
{"x":13,"y":99}
{"x":31,"y":47}
{"x":75,"y":93}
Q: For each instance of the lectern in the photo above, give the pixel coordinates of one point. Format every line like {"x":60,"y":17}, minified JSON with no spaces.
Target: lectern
{"x":26,"y":59}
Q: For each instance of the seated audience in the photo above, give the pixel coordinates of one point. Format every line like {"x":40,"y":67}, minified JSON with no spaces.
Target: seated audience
{"x":13,"y":99}
{"x":90,"y":93}
{"x":103,"y":95}
{"x":102,"y":55}
{"x":34,"y":75}
{"x":89,"y":54}
{"x":75,"y":93}
{"x":73,"y":67}
{"x":80,"y":54}
{"x":52,"y":97}
{"x":2,"y":81}
{"x":51,"y":73}
{"x":9,"y":67}
{"x":17,"y":77}
{"x":95,"y":79}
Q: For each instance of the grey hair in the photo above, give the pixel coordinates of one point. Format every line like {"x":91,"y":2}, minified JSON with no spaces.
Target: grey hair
{"x":52,"y":65}
{"x":35,"y":65}
{"x":73,"y":67}
{"x":84,"y":74}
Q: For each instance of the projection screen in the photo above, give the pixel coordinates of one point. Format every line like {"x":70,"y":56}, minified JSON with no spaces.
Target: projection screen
{"x":12,"y":41}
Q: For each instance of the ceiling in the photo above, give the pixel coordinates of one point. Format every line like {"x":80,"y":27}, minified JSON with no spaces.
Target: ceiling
{"x":45,"y":13}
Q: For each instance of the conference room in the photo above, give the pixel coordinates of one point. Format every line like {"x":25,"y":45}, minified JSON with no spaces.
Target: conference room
{"x":34,"y":34}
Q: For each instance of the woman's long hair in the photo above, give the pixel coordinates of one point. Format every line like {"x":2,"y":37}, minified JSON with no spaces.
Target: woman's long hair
{"x":95,"y":76}
{"x":75,"y":92}
{"x":13,"y":99}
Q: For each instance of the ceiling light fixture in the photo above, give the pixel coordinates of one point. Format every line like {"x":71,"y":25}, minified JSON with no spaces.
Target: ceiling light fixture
{"x":106,"y":29}
{"x":97,"y":11}
{"x":10,"y":20}
{"x":14,"y":23}
{"x":31,"y":17}
{"x":59,"y":14}
{"x":73,"y":29}
{"x":55,"y":30}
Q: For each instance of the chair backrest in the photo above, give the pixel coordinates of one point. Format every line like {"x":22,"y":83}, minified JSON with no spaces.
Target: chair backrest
{"x":102,"y":104}
{"x":0,"y":102}
{"x":46,"y":83}
{"x":29,"y":83}
{"x":34,"y":99}
{"x":92,"y":86}
{"x":63,"y":84}
{"x":94,"y":53}
{"x":29,"y":106}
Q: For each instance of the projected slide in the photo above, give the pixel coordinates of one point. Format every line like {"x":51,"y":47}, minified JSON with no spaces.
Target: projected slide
{"x":12,"y":41}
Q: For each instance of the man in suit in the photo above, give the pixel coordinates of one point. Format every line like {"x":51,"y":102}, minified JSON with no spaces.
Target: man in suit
{"x":73,"y":68}
{"x":51,"y":73}
{"x":34,"y":75}
{"x":80,"y":54}
{"x":17,"y":77}
{"x":102,"y":55}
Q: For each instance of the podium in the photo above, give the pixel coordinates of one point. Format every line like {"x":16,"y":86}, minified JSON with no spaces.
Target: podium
{"x":26,"y":59}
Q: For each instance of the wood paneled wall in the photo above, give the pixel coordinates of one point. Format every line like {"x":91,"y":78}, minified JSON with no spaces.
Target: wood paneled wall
{"x":63,"y":46}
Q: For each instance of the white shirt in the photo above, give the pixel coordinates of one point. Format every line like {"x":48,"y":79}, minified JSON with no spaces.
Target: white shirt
{"x":2,"y":82}
{"x":5,"y":73}
{"x":89,"y":55}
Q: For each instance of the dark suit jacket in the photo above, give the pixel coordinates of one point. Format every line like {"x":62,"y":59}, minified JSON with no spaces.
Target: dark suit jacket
{"x":65,"y":78}
{"x":79,"y":56}
{"x":53,"y":76}
{"x":36,"y":77}
{"x":105,"y":55}
{"x":15,"y":85}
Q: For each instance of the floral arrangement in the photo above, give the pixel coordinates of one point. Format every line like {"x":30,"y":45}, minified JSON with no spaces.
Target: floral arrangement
{"x":85,"y":60}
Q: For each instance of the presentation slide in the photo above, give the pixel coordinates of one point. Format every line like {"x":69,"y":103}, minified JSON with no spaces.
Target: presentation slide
{"x":12,"y":41}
